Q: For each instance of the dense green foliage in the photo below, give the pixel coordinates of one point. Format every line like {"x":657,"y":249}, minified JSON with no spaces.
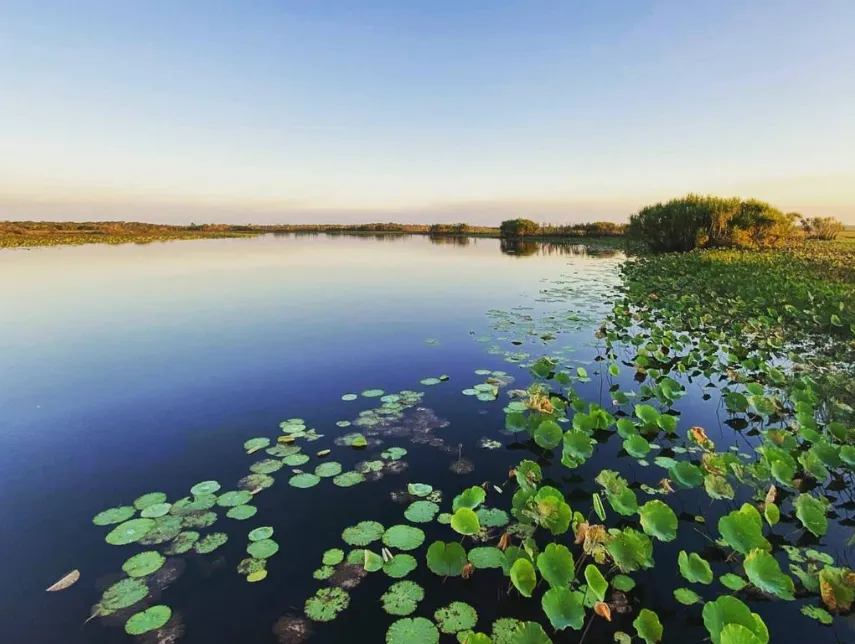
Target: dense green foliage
{"x":697,"y":221}
{"x":824,"y":228}
{"x":513,"y":228}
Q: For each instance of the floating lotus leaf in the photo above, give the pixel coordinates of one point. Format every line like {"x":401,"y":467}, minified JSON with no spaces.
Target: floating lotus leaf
{"x":394,"y":453}
{"x":331,"y":557}
{"x":370,"y":466}
{"x":295,"y":460}
{"x":249,"y":565}
{"x":456,"y":617}
{"x":819,"y":614}
{"x":729,"y":610}
{"x":444,"y":518}
{"x":742,"y":530}
{"x":183,"y":543}
{"x":772,"y":513}
{"x":156,"y":510}
{"x":694,"y":568}
{"x":504,"y":630}
{"x":326,"y":604}
{"x":577,"y":448}
{"x":242,"y":512}
{"x":303,"y":481}
{"x":329,"y":469}
{"x":492,"y":517}
{"x":597,"y":584}
{"x":114,"y":515}
{"x":529,"y":475}
{"x":362,"y":533}
{"x":151,"y":498}
{"x":630,"y":550}
{"x":686,"y":596}
{"x":412,"y":630}
{"x":421,"y":511}
{"x":210,"y":542}
{"x":523,"y":576}
{"x":402,"y":598}
{"x":623,"y":583}
{"x":419,"y":489}
{"x":837,"y":588}
{"x":256,"y":444}
{"x":148,"y":620}
{"x":620,"y":497}
{"x":556,"y":565}
{"x":636,"y":446}
{"x":764,"y":572}
{"x":470,"y":498}
{"x":687,"y":475}
{"x":550,"y":510}
{"x":811,"y":512}
{"x":256,"y":576}
{"x":349,"y":397}
{"x":446,"y":559}
{"x":563,"y":608}
{"x":400,"y":565}
{"x":262,"y":549}
{"x":165,"y":529}
{"x":658,"y":520}
{"x":204,"y":488}
{"x":198,"y":520}
{"x":401,"y":537}
{"x":430,"y":381}
{"x":129,"y":531}
{"x":530,"y":633}
{"x":487,"y":557}
{"x":233,"y":499}
{"x":371,"y":561}
{"x":193,"y":504}
{"x":548,"y":434}
{"x":717,"y":487}
{"x":464,"y":521}
{"x":122,"y":594}
{"x":266,"y":466}
{"x":648,"y":626}
{"x":143,"y":564}
{"x":373,"y":393}
{"x":349,"y":479}
{"x":343,"y":423}
{"x":734,"y":582}
{"x":471,"y":637}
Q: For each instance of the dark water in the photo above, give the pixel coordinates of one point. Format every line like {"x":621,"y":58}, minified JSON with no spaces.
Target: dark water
{"x":133,"y":369}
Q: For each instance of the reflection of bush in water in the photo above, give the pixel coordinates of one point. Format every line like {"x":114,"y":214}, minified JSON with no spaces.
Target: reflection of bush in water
{"x":526,"y":247}
{"x":449,"y":240}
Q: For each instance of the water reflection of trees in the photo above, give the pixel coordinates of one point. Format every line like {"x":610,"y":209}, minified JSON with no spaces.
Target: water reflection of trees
{"x":377,"y":236}
{"x":449,"y":240}
{"x":527,"y":247}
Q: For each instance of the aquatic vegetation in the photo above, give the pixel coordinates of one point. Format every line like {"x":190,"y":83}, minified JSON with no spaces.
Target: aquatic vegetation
{"x":363,"y":533}
{"x":210,"y":542}
{"x":326,"y":604}
{"x":402,"y":598}
{"x":242,"y":512}
{"x":401,"y":537}
{"x":329,"y":469}
{"x":456,"y":617}
{"x":129,"y":531}
{"x":114,"y":515}
{"x":144,"y":563}
{"x":183,"y":543}
{"x":122,"y":594}
{"x":412,"y":630}
{"x":421,"y":512}
{"x":148,"y":620}
{"x":204,"y":488}
{"x":234,"y":498}
{"x":304,"y":480}
{"x":262,"y":548}
{"x":348,"y":479}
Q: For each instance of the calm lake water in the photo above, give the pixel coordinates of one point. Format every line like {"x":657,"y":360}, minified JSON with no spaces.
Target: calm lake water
{"x":133,"y":369}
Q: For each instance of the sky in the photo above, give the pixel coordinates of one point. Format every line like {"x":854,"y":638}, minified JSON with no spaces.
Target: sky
{"x":421,"y":111}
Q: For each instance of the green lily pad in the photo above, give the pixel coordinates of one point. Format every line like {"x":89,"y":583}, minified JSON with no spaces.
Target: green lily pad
{"x":686,"y":596}
{"x":446,"y":559}
{"x":326,"y":604}
{"x":400,"y":565}
{"x":623,"y":583}
{"x":242,"y":512}
{"x":563,"y":608}
{"x":295,"y":460}
{"x":129,"y":531}
{"x":249,"y":565}
{"x":492,"y":517}
{"x":464,"y":521}
{"x":694,"y":568}
{"x":419,"y":489}
{"x":402,"y":537}
{"x":256,"y":443}
{"x":764,"y":572}
{"x":373,"y":393}
{"x":197,"y":520}
{"x":143,"y":564}
{"x":148,"y":620}
{"x":266,"y":466}
{"x":122,"y":594}
{"x":362,"y":533}
{"x":504,"y":630}
{"x":155,"y":511}
{"x":742,"y":530}
{"x":149,"y":499}
{"x":456,"y":617}
{"x":233,"y":499}
{"x":324,"y":572}
{"x":412,"y":630}
{"x":193,"y":504}
{"x":262,"y":549}
{"x":530,"y":633}
{"x":421,"y":511}
{"x":210,"y":542}
{"x":331,"y":557}
{"x":204,"y":488}
{"x":165,"y":529}
{"x":810,"y":511}
{"x":183,"y":543}
{"x":402,"y":598}
{"x":548,"y":434}
{"x":486,"y":557}
{"x":556,"y":565}
{"x":648,"y":626}
{"x":729,"y":610}
{"x":733,"y":582}
{"x":328,"y":469}
{"x":349,"y":397}
{"x":303,"y":481}
{"x":349,"y":479}
{"x":470,"y":498}
{"x":523,"y":576}
{"x":597,"y":584}
{"x":114,"y":515}
{"x":394,"y":453}
{"x":658,"y":520}
{"x":819,"y":614}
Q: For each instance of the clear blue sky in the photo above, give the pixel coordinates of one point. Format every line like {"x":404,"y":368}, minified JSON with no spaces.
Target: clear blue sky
{"x":314,"y":110}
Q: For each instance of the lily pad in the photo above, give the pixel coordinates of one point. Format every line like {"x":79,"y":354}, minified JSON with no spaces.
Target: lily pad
{"x":373,"y":393}
{"x":331,"y":557}
{"x":523,"y":576}
{"x":196,"y":520}
{"x":470,"y":498}
{"x":648,"y":626}
{"x":204,"y":488}
{"x":764,"y":572}
{"x":729,"y":610}
{"x":456,"y":617}
{"x":401,"y":537}
{"x":349,"y":479}
{"x":234,"y":499}
{"x":487,"y":557}
{"x":122,"y":594}
{"x":556,"y":565}
{"x":686,"y":596}
{"x":733,"y":582}
{"x":694,"y":568}
{"x":262,"y":549}
{"x":419,"y":489}
{"x":421,"y":511}
{"x":658,"y":520}
{"x":303,"y":481}
{"x":210,"y":542}
{"x":129,"y":531}
{"x":563,"y":608}
{"x":349,"y":397}
{"x":811,"y":513}
{"x":464,"y":521}
{"x":114,"y":515}
{"x":362,"y":533}
{"x":266,"y":466}
{"x":155,"y":511}
{"x":295,"y":460}
{"x":400,"y":565}
{"x":402,"y":598}
{"x":183,"y":543}
{"x":412,"y":630}
{"x":329,"y":469}
{"x":143,"y":564}
{"x":530,"y":633}
{"x":446,"y":559}
{"x":148,"y":620}
{"x":151,"y":498}
{"x":242,"y":512}
{"x":255,"y":444}
{"x":742,"y":530}
{"x":492,"y":517}
{"x":193,"y":504}
{"x":326,"y":604}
